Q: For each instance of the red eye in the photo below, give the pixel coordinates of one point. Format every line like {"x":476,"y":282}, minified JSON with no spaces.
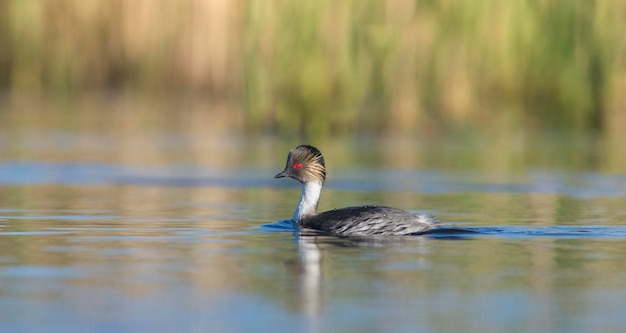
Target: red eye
{"x":297,"y":166}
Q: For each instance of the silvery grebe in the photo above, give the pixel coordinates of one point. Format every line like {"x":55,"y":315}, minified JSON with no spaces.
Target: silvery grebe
{"x":306,"y":164}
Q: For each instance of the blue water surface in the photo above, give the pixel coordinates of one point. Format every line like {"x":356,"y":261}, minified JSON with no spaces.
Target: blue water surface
{"x":105,"y":244}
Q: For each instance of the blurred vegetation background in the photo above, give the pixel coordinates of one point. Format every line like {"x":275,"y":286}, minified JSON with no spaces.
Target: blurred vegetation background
{"x":319,"y":67}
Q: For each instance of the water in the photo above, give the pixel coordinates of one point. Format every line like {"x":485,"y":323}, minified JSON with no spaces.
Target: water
{"x":163,"y":231}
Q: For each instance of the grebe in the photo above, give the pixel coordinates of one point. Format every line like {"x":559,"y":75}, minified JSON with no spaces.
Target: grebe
{"x":306,"y":164}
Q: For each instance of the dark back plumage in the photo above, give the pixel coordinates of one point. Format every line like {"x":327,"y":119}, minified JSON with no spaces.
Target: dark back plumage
{"x":370,"y":220}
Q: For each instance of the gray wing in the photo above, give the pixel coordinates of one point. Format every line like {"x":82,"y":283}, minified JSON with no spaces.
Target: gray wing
{"x":370,"y":220}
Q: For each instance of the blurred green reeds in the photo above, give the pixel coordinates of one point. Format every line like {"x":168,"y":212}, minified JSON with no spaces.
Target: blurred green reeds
{"x":334,"y":67}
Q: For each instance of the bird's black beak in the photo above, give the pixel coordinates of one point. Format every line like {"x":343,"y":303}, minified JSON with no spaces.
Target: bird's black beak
{"x":284,"y":173}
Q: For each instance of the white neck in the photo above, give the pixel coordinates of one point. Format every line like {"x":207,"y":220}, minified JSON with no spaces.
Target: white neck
{"x":308,"y":200}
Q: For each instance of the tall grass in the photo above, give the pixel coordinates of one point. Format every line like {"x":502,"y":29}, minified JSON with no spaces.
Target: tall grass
{"x":320,"y":66}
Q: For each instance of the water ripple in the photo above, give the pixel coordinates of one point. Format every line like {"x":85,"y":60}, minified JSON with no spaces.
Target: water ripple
{"x":453,"y":232}
{"x":582,"y":184}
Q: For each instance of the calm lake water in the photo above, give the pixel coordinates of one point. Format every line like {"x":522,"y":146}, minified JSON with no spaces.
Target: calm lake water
{"x":121,"y":230}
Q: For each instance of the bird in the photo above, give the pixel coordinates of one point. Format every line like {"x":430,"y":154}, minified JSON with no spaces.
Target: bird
{"x":305,"y":164}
